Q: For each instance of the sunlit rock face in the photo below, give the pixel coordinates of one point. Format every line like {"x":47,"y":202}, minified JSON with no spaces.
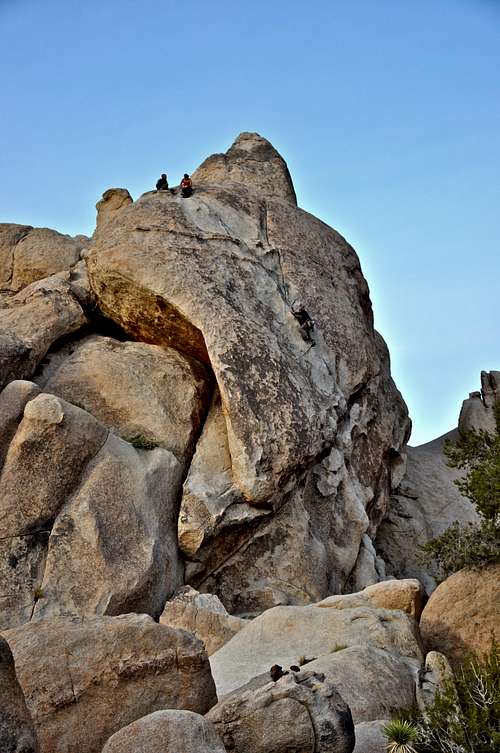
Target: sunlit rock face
{"x":294,"y":463}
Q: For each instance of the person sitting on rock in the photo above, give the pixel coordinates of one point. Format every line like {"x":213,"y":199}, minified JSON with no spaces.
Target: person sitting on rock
{"x":162,"y":183}
{"x":304,"y":320}
{"x":276,"y":672}
{"x":186,"y":186}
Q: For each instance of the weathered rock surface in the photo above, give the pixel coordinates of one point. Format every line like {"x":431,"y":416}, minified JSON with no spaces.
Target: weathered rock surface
{"x":17,"y":733}
{"x":29,"y":254}
{"x":425,"y":504}
{"x":463,"y":614}
{"x":31,"y":321}
{"x":113,"y":547}
{"x":290,"y":635}
{"x":144,"y":393}
{"x":299,"y":713}
{"x":201,"y":614}
{"x":169,"y":732}
{"x":214,"y":276}
{"x":405,"y":595}
{"x":10,"y":235}
{"x":370,"y":737}
{"x":112,"y":201}
{"x":252,"y":162}
{"x":83,"y":679}
{"x":477,"y":411}
{"x":89,"y":522}
{"x":432,"y":678}
{"x":374,"y":682}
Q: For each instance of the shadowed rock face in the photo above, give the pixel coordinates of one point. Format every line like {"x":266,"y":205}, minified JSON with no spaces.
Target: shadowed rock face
{"x":17,"y":733}
{"x":310,"y":436}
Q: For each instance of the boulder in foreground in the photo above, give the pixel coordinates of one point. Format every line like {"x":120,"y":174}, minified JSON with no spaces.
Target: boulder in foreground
{"x":166,"y":732}
{"x":463,"y":614}
{"x":300,"y":713}
{"x":85,"y":678}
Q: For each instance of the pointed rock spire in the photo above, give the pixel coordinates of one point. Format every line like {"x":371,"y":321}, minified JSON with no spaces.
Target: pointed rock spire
{"x":253,"y":161}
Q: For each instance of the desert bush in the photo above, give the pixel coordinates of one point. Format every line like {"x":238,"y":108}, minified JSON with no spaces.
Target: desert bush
{"x":465,"y":715}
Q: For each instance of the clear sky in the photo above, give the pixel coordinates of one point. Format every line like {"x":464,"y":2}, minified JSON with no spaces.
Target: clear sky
{"x":387,"y":112}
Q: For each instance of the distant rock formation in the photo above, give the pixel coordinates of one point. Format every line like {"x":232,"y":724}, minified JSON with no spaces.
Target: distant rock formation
{"x":427,"y":501}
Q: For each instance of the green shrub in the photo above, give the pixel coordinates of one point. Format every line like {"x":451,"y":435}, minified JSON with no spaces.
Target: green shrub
{"x":465,"y":716}
{"x":472,"y":546}
{"x":475,"y":546}
{"x":141,"y":443}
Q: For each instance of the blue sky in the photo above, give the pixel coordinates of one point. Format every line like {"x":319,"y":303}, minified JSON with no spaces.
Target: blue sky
{"x":387,"y":112}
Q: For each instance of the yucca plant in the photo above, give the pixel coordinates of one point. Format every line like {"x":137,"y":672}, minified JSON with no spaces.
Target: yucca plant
{"x":401,"y":735}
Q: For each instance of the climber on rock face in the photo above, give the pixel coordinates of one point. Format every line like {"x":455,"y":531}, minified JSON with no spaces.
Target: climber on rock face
{"x":304,"y":320}
{"x":162,"y":183}
{"x":186,"y":186}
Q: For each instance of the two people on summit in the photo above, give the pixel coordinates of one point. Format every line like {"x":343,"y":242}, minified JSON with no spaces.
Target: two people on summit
{"x":298,"y":310}
{"x":186,"y":185}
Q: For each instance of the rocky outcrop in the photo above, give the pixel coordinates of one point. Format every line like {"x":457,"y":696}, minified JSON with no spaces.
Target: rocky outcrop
{"x":427,"y":501}
{"x":292,"y":635}
{"x":251,"y":162}
{"x":433,"y":678}
{"x":203,"y":615}
{"x":112,"y":201}
{"x":89,"y":521}
{"x":478,"y":410}
{"x":32,"y":320}
{"x":110,"y":670}
{"x":29,"y":254}
{"x":424,"y":505}
{"x":17,"y":733}
{"x":168,"y":731}
{"x":214,"y":277}
{"x":463,"y":614}
{"x":300,"y":712}
{"x":144,"y":393}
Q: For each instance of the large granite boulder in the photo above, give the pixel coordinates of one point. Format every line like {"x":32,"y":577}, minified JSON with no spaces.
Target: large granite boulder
{"x":201,"y":614}
{"x":463,"y":614}
{"x":17,"y":732}
{"x":294,"y":635}
{"x":215,"y":276}
{"x":83,"y":679}
{"x":145,"y":393}
{"x":32,"y":320}
{"x":89,"y":521}
{"x":300,"y":713}
{"x":167,"y":731}
{"x":29,"y":254}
